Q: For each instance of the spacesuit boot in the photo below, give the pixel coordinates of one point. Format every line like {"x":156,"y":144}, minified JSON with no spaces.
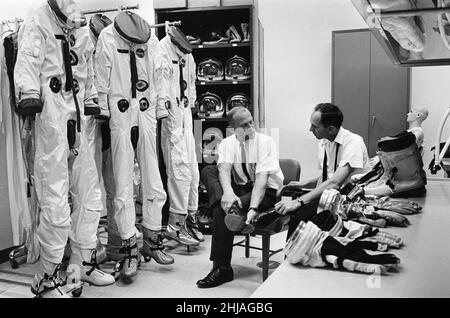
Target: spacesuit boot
{"x":176,"y":230}
{"x":153,"y":248}
{"x":46,"y":282}
{"x":191,"y":224}
{"x":129,"y":264}
{"x":89,"y":272}
{"x":403,"y":168}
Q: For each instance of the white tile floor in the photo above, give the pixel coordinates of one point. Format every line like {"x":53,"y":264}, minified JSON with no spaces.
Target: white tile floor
{"x":157,"y":281}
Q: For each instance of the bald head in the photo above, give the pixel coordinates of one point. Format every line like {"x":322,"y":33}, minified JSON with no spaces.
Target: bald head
{"x":417,"y":115}
{"x":238,"y":115}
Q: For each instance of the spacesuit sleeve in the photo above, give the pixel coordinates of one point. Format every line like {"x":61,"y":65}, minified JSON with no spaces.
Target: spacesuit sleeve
{"x":102,"y":71}
{"x":30,"y":56}
{"x":162,"y":76}
{"x":90,"y":95}
{"x":192,"y":78}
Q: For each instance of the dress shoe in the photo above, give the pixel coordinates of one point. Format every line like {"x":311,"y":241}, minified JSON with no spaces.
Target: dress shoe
{"x":217,"y":276}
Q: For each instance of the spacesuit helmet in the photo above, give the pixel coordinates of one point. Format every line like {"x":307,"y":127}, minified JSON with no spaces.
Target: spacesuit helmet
{"x":178,"y":38}
{"x":237,"y":68}
{"x":97,"y":23}
{"x":68,"y":13}
{"x":237,"y":99}
{"x":210,"y":69}
{"x":132,"y":27}
{"x":210,"y":105}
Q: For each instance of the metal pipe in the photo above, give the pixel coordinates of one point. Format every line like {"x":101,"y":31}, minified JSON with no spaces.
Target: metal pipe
{"x":160,"y":25}
{"x":121,"y":8}
{"x":410,"y":12}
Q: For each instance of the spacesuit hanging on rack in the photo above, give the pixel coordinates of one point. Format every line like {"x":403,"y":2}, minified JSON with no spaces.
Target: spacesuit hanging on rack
{"x":178,"y":142}
{"x":54,"y":81}
{"x":126,"y":50}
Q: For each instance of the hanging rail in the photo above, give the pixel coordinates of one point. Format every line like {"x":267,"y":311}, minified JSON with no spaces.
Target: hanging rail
{"x":160,"y":25}
{"x":121,"y":8}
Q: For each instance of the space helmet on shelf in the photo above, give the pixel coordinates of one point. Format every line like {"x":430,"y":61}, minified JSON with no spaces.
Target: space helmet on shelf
{"x":210,"y":69}
{"x":210,"y":105}
{"x":212,"y":137}
{"x":237,"y":99}
{"x":237,"y":68}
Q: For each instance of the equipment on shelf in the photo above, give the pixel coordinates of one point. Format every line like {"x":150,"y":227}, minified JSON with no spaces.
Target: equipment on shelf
{"x":237,"y":68}
{"x":237,"y":99}
{"x":210,"y":105}
{"x":210,"y":69}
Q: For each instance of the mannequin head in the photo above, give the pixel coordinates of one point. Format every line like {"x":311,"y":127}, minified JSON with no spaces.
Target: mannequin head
{"x":416,"y":116}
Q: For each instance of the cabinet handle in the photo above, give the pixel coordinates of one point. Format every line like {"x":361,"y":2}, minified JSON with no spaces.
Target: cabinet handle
{"x":374,"y":118}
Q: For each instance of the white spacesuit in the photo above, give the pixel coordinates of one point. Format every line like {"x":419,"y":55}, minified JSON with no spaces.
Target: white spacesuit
{"x":53,"y":79}
{"x":178,"y":147}
{"x":123,"y":52}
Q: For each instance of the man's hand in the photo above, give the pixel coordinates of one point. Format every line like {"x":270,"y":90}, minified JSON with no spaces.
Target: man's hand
{"x":250,"y":216}
{"x":284,"y":207}
{"x":227,"y":201}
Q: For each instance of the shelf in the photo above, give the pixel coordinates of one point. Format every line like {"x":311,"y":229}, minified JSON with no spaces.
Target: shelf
{"x":201,"y":83}
{"x":201,"y":9}
{"x":212,"y":119}
{"x":220,"y":45}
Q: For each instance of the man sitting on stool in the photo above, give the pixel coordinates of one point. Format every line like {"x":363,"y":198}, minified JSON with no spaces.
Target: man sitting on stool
{"x":341,"y":154}
{"x":245,"y":181}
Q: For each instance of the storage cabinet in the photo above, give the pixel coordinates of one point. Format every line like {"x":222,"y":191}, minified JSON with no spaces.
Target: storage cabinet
{"x":200,"y":22}
{"x":372,"y":92}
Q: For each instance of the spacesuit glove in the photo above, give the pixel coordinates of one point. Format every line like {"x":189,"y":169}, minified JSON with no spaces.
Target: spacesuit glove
{"x":395,"y":205}
{"x":352,"y":257}
{"x":29,"y":105}
{"x":357,"y":231}
{"x":393,"y":218}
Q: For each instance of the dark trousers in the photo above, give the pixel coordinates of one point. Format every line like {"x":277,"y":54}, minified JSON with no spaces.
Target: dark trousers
{"x":222,"y":238}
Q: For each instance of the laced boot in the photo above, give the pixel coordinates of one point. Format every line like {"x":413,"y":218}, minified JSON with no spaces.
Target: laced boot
{"x":176,"y":230}
{"x":191,"y":224}
{"x":89,"y":272}
{"x":129,"y":263}
{"x":152,"y":248}
{"x":46,"y":282}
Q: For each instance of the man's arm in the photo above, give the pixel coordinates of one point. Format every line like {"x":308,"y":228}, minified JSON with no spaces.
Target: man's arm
{"x":258,"y":192}
{"x":335,"y":182}
{"x":228,"y":197}
{"x":309,"y":184}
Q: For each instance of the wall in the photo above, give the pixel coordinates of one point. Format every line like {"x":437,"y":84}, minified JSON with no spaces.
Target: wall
{"x":429,"y":88}
{"x":297,"y":55}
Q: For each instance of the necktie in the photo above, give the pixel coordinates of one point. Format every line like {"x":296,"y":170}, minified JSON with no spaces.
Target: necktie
{"x":324,"y":165}
{"x":244,"y":166}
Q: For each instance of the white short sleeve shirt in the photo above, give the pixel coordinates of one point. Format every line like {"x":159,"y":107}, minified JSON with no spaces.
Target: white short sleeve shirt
{"x":261,"y":156}
{"x":351,"y":150}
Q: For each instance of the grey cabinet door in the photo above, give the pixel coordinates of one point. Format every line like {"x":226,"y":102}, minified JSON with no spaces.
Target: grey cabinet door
{"x":372,"y":92}
{"x":351,"y":79}
{"x":389,"y":96}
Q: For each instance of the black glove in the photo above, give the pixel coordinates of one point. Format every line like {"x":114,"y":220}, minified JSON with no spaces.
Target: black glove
{"x":352,"y":257}
{"x":29,"y":106}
